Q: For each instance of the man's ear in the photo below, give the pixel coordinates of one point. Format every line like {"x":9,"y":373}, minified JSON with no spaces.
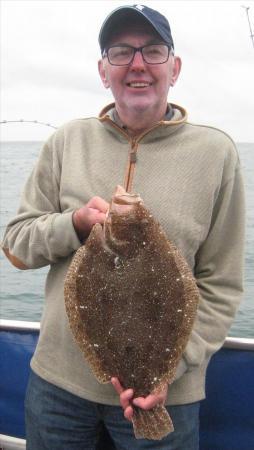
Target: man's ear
{"x":176,"y":70}
{"x":102,"y":72}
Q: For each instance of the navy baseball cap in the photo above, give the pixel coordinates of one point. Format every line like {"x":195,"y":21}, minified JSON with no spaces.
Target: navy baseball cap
{"x":127,"y":13}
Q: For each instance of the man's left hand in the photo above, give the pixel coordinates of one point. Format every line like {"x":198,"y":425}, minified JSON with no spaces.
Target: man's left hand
{"x":126,"y":398}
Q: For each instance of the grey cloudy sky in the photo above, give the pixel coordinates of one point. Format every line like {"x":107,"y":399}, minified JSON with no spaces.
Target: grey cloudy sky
{"x":49,"y":54}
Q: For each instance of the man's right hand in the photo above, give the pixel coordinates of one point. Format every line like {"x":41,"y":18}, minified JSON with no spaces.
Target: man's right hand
{"x":86,"y":217}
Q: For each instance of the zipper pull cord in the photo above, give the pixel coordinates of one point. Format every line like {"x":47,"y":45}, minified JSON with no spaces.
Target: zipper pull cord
{"x":129,"y":174}
{"x":133,"y":157}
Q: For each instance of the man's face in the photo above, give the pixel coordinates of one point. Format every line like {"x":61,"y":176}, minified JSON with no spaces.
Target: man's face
{"x":139,"y":86}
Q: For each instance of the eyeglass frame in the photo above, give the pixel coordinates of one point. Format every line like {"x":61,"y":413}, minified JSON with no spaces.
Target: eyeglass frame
{"x":137,"y":49}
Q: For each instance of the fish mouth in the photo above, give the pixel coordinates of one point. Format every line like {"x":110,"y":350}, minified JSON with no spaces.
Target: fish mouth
{"x":121,"y":197}
{"x":126,"y":199}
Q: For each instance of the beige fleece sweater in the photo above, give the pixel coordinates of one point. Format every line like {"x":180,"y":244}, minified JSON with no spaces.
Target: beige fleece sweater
{"x":189,"y":177}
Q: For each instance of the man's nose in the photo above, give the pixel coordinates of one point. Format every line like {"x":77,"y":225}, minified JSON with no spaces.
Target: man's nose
{"x":138,"y":62}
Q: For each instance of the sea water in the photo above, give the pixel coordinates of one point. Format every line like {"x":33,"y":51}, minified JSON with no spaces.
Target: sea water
{"x":22,"y":292}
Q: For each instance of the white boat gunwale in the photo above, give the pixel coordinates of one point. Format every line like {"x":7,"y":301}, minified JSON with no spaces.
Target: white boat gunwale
{"x":11,"y":443}
{"x":19,"y":325}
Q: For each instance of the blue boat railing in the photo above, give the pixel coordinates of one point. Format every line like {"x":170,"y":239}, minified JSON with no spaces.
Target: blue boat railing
{"x":226,"y":416}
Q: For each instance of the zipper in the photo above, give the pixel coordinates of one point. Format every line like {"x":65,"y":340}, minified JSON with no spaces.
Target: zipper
{"x":129,"y":172}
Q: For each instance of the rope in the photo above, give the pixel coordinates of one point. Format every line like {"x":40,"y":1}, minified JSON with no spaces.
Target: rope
{"x":28,"y":121}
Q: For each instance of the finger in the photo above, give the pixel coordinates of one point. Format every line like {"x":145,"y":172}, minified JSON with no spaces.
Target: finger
{"x":147,"y":402}
{"x":128,"y":413}
{"x":117,"y":385}
{"x":94,"y":216}
{"x":125,"y":394}
{"x":98,"y":203}
{"x":125,"y":398}
{"x":100,"y":217}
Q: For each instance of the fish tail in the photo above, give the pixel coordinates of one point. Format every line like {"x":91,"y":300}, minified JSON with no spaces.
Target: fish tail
{"x":152,"y":424}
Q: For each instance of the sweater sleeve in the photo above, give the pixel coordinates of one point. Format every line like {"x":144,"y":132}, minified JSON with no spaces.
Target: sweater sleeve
{"x":41,"y":233}
{"x":219,"y":273}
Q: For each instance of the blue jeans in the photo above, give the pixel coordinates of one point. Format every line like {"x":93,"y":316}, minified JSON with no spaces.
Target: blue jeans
{"x":58,"y":420}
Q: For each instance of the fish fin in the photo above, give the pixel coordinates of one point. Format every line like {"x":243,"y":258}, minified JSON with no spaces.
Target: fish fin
{"x":154,"y":423}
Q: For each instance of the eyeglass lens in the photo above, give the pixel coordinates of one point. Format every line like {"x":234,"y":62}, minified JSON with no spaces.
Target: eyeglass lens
{"x":152,"y":54}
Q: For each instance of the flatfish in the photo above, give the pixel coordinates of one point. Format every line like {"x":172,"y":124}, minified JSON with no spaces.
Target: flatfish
{"x":131,"y":301}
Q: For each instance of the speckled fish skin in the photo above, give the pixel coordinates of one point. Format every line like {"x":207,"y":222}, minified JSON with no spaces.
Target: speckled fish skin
{"x":131,"y":301}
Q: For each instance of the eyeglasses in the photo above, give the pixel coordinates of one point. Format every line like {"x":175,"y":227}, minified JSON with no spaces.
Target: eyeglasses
{"x":123,"y":55}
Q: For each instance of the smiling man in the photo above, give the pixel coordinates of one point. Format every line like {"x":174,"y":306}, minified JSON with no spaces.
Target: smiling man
{"x":139,"y":67}
{"x":190,"y":179}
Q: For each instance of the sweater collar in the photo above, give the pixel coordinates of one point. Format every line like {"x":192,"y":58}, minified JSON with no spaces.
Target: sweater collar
{"x":175,"y":117}
{"x":114,"y":116}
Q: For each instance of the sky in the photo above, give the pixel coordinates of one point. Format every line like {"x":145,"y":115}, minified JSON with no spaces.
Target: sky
{"x":49,"y":54}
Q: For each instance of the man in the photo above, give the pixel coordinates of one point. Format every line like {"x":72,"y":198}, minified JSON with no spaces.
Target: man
{"x":189,"y":177}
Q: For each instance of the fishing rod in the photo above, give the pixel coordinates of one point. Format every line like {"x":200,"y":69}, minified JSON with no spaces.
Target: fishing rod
{"x":250,"y":27}
{"x":28,"y":121}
